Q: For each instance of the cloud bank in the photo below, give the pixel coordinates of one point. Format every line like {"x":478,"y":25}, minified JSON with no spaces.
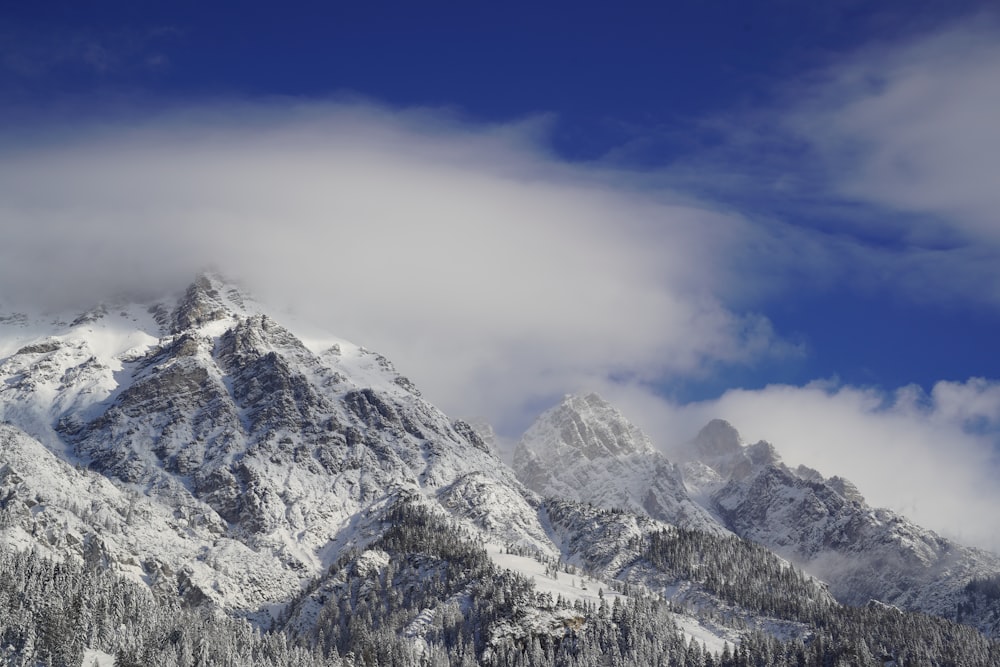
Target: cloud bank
{"x":494,"y":274}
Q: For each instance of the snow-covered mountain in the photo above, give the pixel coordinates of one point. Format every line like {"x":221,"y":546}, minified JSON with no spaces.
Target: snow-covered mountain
{"x":199,"y":447}
{"x":255,"y":442}
{"x":825,"y":525}
{"x":586,"y":450}
{"x":217,"y":463}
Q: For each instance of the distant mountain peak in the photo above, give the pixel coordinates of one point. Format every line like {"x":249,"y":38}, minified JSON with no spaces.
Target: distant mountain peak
{"x":594,"y":427}
{"x":209,"y":298}
{"x":720,"y":447}
{"x":718,"y":438}
{"x":586,"y":450}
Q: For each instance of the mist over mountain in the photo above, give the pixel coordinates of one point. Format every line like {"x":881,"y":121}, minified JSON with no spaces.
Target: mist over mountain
{"x":586,"y":450}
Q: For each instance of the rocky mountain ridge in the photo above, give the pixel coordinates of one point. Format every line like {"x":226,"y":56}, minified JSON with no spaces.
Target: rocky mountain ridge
{"x":585,"y":450}
{"x":822,"y":525}
{"x":200,"y":450}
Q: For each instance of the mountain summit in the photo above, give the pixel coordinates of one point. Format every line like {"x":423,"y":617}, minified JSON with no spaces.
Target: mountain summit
{"x":585,"y":449}
{"x":254,"y":440}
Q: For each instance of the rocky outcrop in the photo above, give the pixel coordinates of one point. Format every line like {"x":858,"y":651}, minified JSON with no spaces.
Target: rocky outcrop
{"x":584,"y":449}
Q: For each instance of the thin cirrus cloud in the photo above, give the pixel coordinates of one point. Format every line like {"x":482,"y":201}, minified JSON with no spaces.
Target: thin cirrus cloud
{"x":493,"y":274}
{"x":878,"y":170}
{"x":907,"y":132}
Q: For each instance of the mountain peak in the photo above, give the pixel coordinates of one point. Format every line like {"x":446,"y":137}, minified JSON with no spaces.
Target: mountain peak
{"x":586,"y":450}
{"x":718,"y":438}
{"x":208,"y":299}
{"x":591,"y":426}
{"x":720,"y":447}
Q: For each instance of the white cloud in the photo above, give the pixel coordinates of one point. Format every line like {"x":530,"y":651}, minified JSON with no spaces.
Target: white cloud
{"x":913,"y":126}
{"x":494,"y":275}
{"x":877,"y":171}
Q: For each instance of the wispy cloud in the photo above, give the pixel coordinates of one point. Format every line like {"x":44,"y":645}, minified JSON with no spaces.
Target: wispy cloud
{"x":33,"y":54}
{"x":877,"y":170}
{"x":912,"y":126}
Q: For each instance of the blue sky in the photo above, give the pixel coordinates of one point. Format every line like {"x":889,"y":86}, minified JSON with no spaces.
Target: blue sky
{"x":696,"y":208}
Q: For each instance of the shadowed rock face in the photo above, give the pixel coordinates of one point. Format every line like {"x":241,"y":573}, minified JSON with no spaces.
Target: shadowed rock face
{"x":202,"y":303}
{"x":719,"y":446}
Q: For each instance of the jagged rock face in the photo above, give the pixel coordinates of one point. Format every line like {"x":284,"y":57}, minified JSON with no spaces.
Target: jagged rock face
{"x":204,"y":302}
{"x":825,"y":526}
{"x":231,"y":394}
{"x":580,"y":428}
{"x":862,"y":552}
{"x":590,"y":426}
{"x":208,"y":403}
{"x":719,"y":447}
{"x":717,"y":438}
{"x":479,"y":435}
{"x":483,"y":431}
{"x":586,"y":450}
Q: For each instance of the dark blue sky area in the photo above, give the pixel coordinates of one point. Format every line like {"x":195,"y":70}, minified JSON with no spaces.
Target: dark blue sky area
{"x":602,"y":68}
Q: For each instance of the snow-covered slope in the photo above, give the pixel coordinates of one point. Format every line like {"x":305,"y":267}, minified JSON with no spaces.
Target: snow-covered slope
{"x":584,"y":449}
{"x":239,"y":431}
{"x":63,"y":510}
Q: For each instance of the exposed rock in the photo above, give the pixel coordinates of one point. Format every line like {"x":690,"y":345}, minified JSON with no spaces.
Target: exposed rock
{"x":586,"y":450}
